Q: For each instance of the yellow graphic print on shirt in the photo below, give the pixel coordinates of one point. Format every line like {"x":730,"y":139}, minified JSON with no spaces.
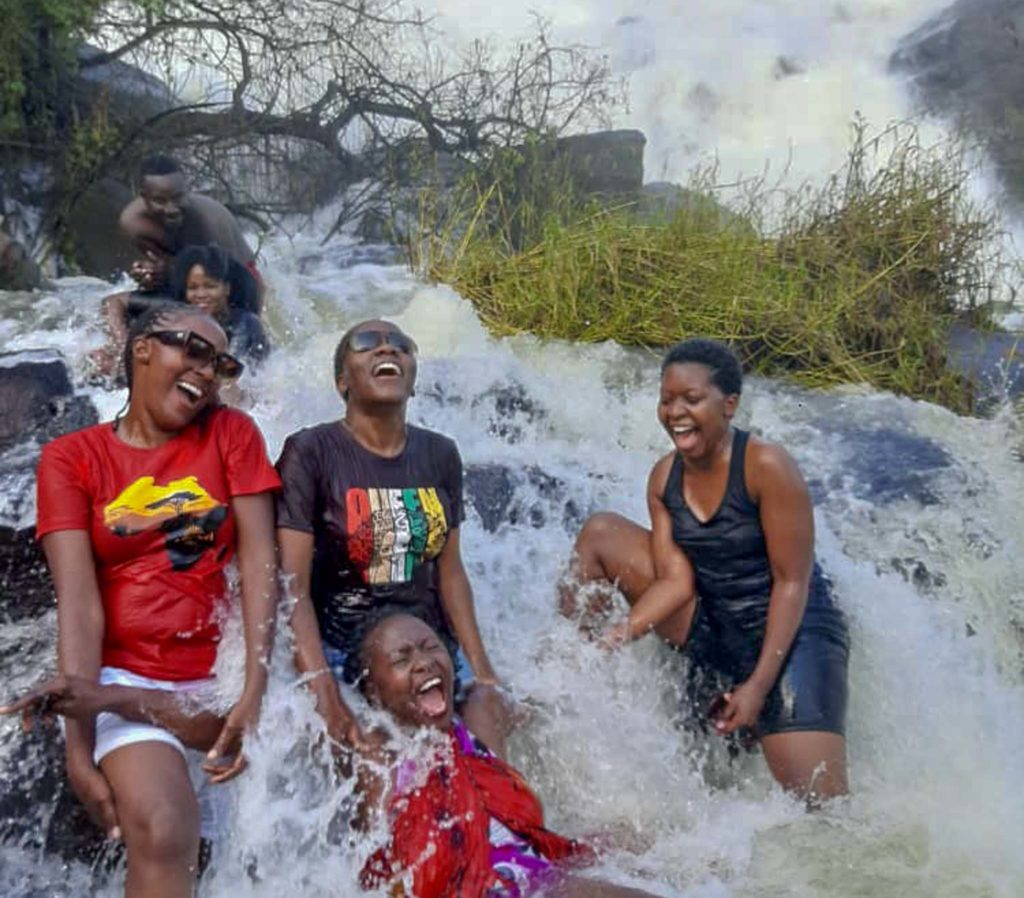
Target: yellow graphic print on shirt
{"x":182,"y":509}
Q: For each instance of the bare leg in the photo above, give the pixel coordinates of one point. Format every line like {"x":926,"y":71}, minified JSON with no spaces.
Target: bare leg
{"x":581,"y":887}
{"x":614,"y":550}
{"x":159,"y":816}
{"x":811,"y":764}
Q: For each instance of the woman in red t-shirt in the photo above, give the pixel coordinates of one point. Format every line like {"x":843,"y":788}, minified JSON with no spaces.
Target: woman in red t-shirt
{"x":138,"y":519}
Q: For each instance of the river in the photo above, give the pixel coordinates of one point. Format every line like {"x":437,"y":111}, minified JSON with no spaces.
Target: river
{"x":918,"y":511}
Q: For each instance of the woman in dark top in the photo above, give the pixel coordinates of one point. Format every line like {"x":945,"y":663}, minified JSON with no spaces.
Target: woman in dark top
{"x":209,"y":279}
{"x":731,"y":522}
{"x":370,"y":514}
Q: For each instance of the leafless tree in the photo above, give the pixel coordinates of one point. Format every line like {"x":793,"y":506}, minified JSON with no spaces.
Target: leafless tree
{"x":269,"y":84}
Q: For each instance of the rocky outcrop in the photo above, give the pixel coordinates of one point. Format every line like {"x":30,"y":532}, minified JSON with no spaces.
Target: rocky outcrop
{"x":17,"y":270}
{"x":994,"y":362}
{"x":37,"y":401}
{"x":968,"y":63}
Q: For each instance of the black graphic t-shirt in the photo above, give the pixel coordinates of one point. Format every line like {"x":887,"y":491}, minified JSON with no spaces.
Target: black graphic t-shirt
{"x":378,"y":523}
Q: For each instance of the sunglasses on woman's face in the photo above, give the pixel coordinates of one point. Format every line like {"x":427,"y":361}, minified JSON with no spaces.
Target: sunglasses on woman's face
{"x":202,"y":351}
{"x":364,"y":341}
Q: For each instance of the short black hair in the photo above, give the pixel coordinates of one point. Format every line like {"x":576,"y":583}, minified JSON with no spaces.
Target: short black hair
{"x":726,"y":371}
{"x":356,"y":664}
{"x":158,"y":165}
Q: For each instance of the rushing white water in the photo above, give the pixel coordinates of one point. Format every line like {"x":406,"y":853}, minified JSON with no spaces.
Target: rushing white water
{"x":919,"y":523}
{"x":936,"y":717}
{"x":755,"y":86}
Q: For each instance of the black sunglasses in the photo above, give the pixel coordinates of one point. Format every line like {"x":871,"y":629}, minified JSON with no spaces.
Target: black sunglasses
{"x":364,"y":341}
{"x":202,"y":351}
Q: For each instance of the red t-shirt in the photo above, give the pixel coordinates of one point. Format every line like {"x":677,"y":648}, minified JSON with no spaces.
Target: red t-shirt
{"x":162,"y":531}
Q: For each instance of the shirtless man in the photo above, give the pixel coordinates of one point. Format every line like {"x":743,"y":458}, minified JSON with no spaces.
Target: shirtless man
{"x":161,"y":221}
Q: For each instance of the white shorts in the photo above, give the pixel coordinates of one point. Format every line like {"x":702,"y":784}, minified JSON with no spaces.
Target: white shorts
{"x":113,"y":732}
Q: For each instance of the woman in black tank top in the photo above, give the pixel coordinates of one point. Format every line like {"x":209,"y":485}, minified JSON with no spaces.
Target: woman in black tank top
{"x":727,"y":571}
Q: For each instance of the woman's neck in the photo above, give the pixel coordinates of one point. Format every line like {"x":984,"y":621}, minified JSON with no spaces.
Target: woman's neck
{"x":718,"y":454}
{"x":138,"y":429}
{"x":382,"y":434}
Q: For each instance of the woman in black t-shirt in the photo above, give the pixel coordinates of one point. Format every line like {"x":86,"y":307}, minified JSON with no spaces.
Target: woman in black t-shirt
{"x":370,"y":514}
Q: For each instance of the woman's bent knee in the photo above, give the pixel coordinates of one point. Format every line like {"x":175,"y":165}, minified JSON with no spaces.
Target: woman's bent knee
{"x":165,"y":835}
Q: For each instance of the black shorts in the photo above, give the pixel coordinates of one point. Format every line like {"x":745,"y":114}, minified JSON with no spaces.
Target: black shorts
{"x":810,"y":693}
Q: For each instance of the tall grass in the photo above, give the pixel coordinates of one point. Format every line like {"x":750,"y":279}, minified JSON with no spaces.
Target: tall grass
{"x":855,"y":281}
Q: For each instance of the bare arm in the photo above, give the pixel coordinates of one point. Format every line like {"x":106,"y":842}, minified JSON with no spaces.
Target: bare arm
{"x":788,"y":523}
{"x":257,"y":564}
{"x":457,"y":599}
{"x":673,"y":586}
{"x":80,"y":624}
{"x":296,"y":548}
{"x":80,"y":700}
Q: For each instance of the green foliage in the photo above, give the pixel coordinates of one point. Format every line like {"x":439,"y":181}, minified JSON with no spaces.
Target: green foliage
{"x":857,"y":281}
{"x":36,"y":56}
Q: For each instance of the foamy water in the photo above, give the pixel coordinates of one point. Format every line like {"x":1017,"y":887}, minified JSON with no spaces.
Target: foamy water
{"x":918,"y":512}
{"x":936,"y":717}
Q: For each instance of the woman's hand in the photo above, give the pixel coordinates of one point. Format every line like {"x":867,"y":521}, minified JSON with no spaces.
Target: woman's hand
{"x":93,"y":790}
{"x":741,"y":708}
{"x":226,"y":759}
{"x":64,"y":694}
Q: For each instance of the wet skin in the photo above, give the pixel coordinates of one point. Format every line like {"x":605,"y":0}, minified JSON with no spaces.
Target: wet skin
{"x":206,"y":293}
{"x":170,"y":389}
{"x":410,"y":672}
{"x":381,"y":376}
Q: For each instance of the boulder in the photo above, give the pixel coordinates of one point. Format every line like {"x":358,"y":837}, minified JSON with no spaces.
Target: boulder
{"x":36,"y":398}
{"x":97,"y":245}
{"x":526,"y":496}
{"x":126,"y":94}
{"x":603,"y":164}
{"x":17,"y":270}
{"x":883,"y":465}
{"x":967,"y":62}
{"x":994,"y":361}
{"x":26,"y":589}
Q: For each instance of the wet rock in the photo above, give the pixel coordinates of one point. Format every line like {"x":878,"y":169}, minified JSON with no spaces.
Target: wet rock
{"x":917,"y":573}
{"x":26,"y":589}
{"x":37,"y":807}
{"x":607,"y":163}
{"x":993,"y":361}
{"x":786,"y":67}
{"x":96,"y":244}
{"x":36,"y":398}
{"x":513,"y":409}
{"x":128,"y":95}
{"x":967,"y":62}
{"x":520,"y":496}
{"x":489,"y":489}
{"x":350,"y":256}
{"x":17,"y":270}
{"x":884,"y":465}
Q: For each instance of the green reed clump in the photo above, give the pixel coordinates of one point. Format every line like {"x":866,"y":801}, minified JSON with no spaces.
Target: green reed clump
{"x":857,"y":281}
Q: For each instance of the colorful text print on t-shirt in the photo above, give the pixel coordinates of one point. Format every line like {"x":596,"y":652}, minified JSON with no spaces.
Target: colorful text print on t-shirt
{"x":390,"y":531}
{"x":181,"y":509}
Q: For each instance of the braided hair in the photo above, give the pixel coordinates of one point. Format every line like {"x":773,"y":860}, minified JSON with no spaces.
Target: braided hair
{"x":153,"y":317}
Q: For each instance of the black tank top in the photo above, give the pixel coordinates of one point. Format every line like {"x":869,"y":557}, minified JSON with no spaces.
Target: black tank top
{"x":728,"y":551}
